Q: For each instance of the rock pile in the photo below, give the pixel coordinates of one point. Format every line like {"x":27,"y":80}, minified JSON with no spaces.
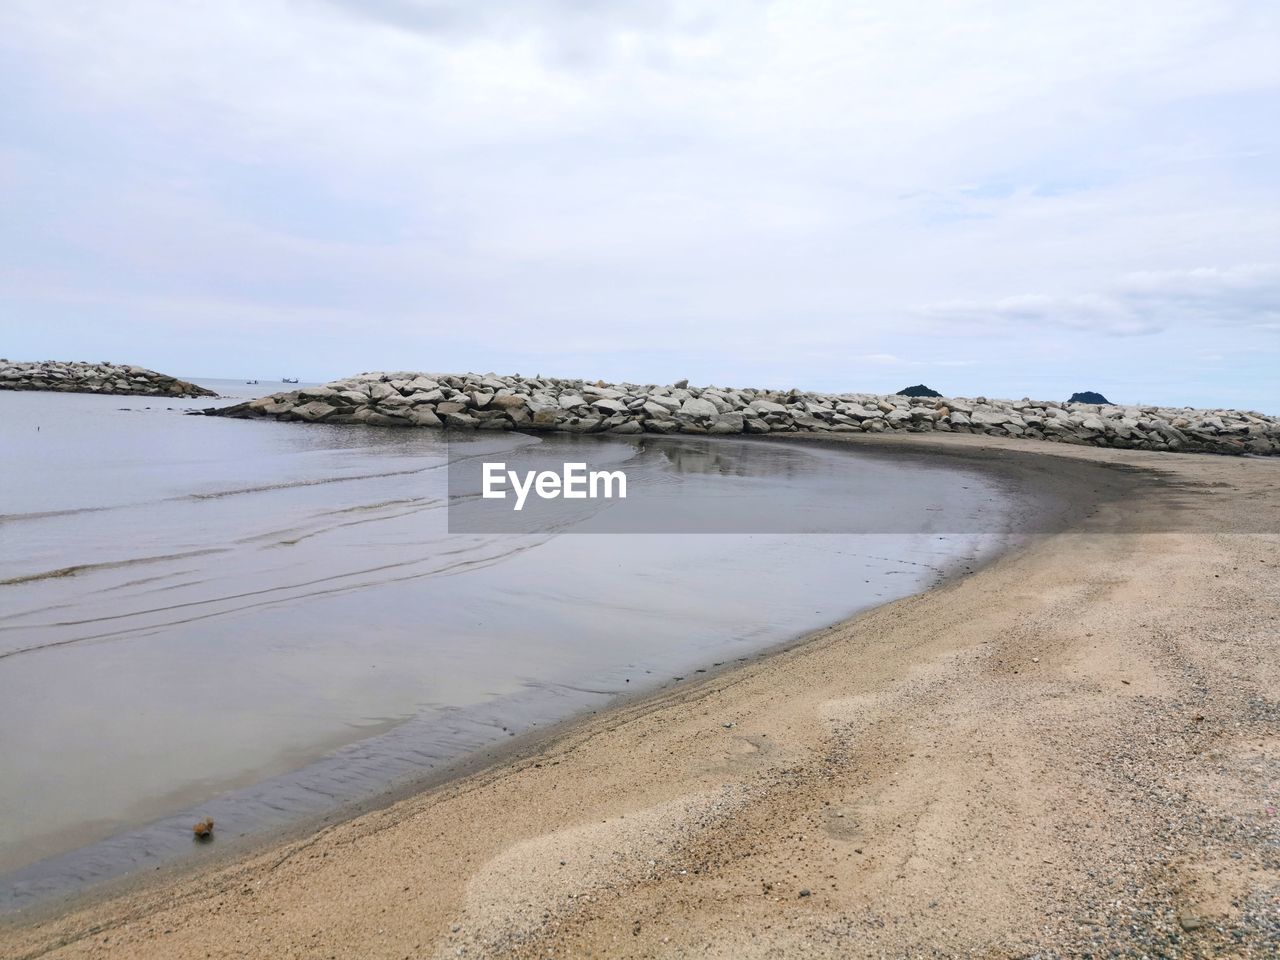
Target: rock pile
{"x":95,"y":378}
{"x":487,"y":402}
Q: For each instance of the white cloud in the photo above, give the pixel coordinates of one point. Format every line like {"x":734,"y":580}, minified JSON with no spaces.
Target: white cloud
{"x":1140,"y":303}
{"x":1246,"y":294}
{"x":892,"y":360}
{"x":800,"y":181}
{"x":1027,"y":312}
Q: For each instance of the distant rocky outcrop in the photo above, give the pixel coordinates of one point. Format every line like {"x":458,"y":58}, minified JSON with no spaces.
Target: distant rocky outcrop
{"x":487,"y":402}
{"x":1089,"y":396}
{"x":919,"y":390}
{"x":78,"y":377}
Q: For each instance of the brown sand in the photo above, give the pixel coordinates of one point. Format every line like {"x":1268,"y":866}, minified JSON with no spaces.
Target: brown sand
{"x":1074,"y":751}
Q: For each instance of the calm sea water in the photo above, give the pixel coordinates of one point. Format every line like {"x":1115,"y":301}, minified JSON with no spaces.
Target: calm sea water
{"x":260,"y":621}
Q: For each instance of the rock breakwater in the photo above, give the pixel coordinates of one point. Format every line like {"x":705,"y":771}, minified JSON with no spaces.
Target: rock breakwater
{"x":488,"y":402}
{"x":78,"y":377}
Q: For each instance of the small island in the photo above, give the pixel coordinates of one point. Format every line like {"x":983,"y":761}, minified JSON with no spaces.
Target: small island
{"x":1089,"y":396}
{"x":919,"y":390}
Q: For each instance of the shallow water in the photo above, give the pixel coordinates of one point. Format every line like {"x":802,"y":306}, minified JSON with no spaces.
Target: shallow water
{"x":259,"y":621}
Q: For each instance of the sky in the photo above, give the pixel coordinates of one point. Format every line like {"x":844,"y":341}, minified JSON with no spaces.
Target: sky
{"x":993,"y":198}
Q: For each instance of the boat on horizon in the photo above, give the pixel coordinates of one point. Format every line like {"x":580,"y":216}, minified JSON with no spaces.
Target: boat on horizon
{"x":287,"y":380}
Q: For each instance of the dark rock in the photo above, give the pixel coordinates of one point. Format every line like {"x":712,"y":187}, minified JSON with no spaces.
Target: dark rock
{"x":919,"y":390}
{"x":1088,"y":396}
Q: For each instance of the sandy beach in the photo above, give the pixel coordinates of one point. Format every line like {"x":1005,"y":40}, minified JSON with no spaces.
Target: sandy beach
{"x":1073,"y":751}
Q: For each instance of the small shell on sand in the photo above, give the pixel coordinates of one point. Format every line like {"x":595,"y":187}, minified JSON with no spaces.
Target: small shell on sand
{"x":204,"y":829}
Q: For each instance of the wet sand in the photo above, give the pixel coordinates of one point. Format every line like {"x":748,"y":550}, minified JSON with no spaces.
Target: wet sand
{"x":1074,"y":750}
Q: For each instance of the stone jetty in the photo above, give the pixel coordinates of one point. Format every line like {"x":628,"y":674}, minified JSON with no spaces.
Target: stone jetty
{"x":79,"y":377}
{"x":487,"y":402}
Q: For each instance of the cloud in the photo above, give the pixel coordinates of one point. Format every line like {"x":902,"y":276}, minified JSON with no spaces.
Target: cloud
{"x":1244,"y":295}
{"x":560,"y":26}
{"x":1028,"y":313}
{"x":1137,"y":304}
{"x":892,"y":360}
{"x":751,"y":186}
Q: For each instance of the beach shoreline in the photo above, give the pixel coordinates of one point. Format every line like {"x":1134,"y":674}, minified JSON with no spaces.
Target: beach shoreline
{"x":626,"y":820}
{"x":660,"y":607}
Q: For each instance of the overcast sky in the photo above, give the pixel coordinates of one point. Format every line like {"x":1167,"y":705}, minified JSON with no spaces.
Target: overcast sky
{"x":1002,"y":198}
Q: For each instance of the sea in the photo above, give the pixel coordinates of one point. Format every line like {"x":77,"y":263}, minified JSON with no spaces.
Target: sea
{"x":267,"y":622}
